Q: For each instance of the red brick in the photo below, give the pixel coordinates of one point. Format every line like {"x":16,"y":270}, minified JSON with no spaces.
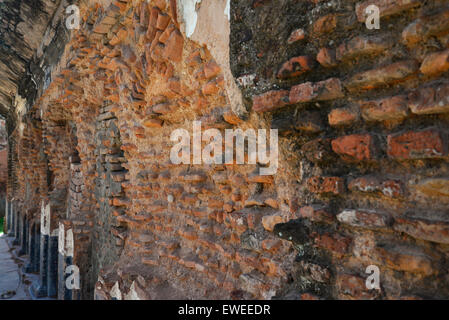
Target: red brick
{"x":308,"y":296}
{"x":153,"y":123}
{"x":354,"y":287}
{"x":394,"y":108}
{"x":429,"y":143}
{"x":174,"y":47}
{"x":435,"y":63}
{"x":255,"y":178}
{"x":356,"y":147}
{"x":329,"y":89}
{"x":364,"y":184}
{"x":296,"y":35}
{"x":430,"y":100}
{"x":404,"y":258}
{"x":269,"y":222}
{"x":386,"y":7}
{"x":362,"y":45}
{"x":270,"y":100}
{"x":364,"y":218}
{"x":295,"y":67}
{"x":271,"y":245}
{"x":211,"y":70}
{"x":428,"y":229}
{"x":392,"y":188}
{"x":431,"y":25}
{"x":162,"y":21}
{"x":326,"y":57}
{"x":383,"y":76}
{"x":317,"y":214}
{"x":326,"y":185}
{"x":210,"y":88}
{"x":337,"y":244}
{"x":342,"y":117}
{"x":434,"y":187}
{"x":325,"y":24}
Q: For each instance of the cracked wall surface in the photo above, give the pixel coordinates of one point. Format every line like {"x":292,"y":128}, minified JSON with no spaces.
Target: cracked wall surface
{"x":363,"y":147}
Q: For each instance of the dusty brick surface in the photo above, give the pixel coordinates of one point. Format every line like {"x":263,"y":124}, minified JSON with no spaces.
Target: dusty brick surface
{"x":362,"y":177}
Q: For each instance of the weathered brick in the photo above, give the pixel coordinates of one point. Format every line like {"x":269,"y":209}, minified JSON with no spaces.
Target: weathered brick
{"x":435,"y":63}
{"x":296,"y":35}
{"x":270,"y":100}
{"x":364,"y":218}
{"x":317,"y":150}
{"x":386,"y":7}
{"x":424,"y":27}
{"x":336,"y":243}
{"x":354,"y":287}
{"x":404,"y":258}
{"x":430,"y":100}
{"x":269,"y":222}
{"x":326,"y":185}
{"x":382,"y":76}
{"x":153,"y":123}
{"x":342,"y":117}
{"x":327,"y":57}
{"x":434,"y":187}
{"x":362,"y":45}
{"x":356,"y":147}
{"x":325,"y":24}
{"x":174,"y":47}
{"x":317,"y":214}
{"x":394,"y":108}
{"x":329,"y":89}
{"x":295,"y":67}
{"x":435,"y":230}
{"x":429,"y":143}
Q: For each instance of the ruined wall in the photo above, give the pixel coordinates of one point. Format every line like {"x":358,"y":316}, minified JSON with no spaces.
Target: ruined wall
{"x":3,"y":166}
{"x":362,"y":177}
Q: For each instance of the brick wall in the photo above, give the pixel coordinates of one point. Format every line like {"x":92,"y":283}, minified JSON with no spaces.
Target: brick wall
{"x":362,"y":177}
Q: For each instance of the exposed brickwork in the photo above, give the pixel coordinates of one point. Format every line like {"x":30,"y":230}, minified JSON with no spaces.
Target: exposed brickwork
{"x":372,"y":180}
{"x":363,"y":149}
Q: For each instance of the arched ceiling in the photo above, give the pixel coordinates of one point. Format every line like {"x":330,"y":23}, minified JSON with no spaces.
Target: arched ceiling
{"x":22,"y":26}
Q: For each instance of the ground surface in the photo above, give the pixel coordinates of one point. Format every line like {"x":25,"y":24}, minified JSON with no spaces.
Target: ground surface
{"x":10,"y":279}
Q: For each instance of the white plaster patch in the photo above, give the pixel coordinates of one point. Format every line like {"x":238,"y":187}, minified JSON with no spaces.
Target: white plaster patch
{"x":69,"y":243}
{"x":348,"y":216}
{"x":45,"y":219}
{"x":61,"y":240}
{"x":246,"y":80}
{"x":189,"y":15}
{"x":115,"y":291}
{"x":227,"y":11}
{"x":132,"y":294}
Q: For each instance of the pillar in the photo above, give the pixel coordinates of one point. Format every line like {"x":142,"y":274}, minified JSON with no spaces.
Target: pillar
{"x":16,"y":228}
{"x":7,"y":222}
{"x":40,"y":288}
{"x":34,"y":238}
{"x":67,"y":284}
{"x":23,"y":236}
{"x":52,"y":279}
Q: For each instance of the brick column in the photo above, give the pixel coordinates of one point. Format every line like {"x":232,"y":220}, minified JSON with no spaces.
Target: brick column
{"x":11,"y":220}
{"x":52,"y":279}
{"x":16,"y":228}
{"x":34,"y":239}
{"x":40,"y":288}
{"x":23,"y":236}
{"x":65,"y":249}
{"x":6,"y":220}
